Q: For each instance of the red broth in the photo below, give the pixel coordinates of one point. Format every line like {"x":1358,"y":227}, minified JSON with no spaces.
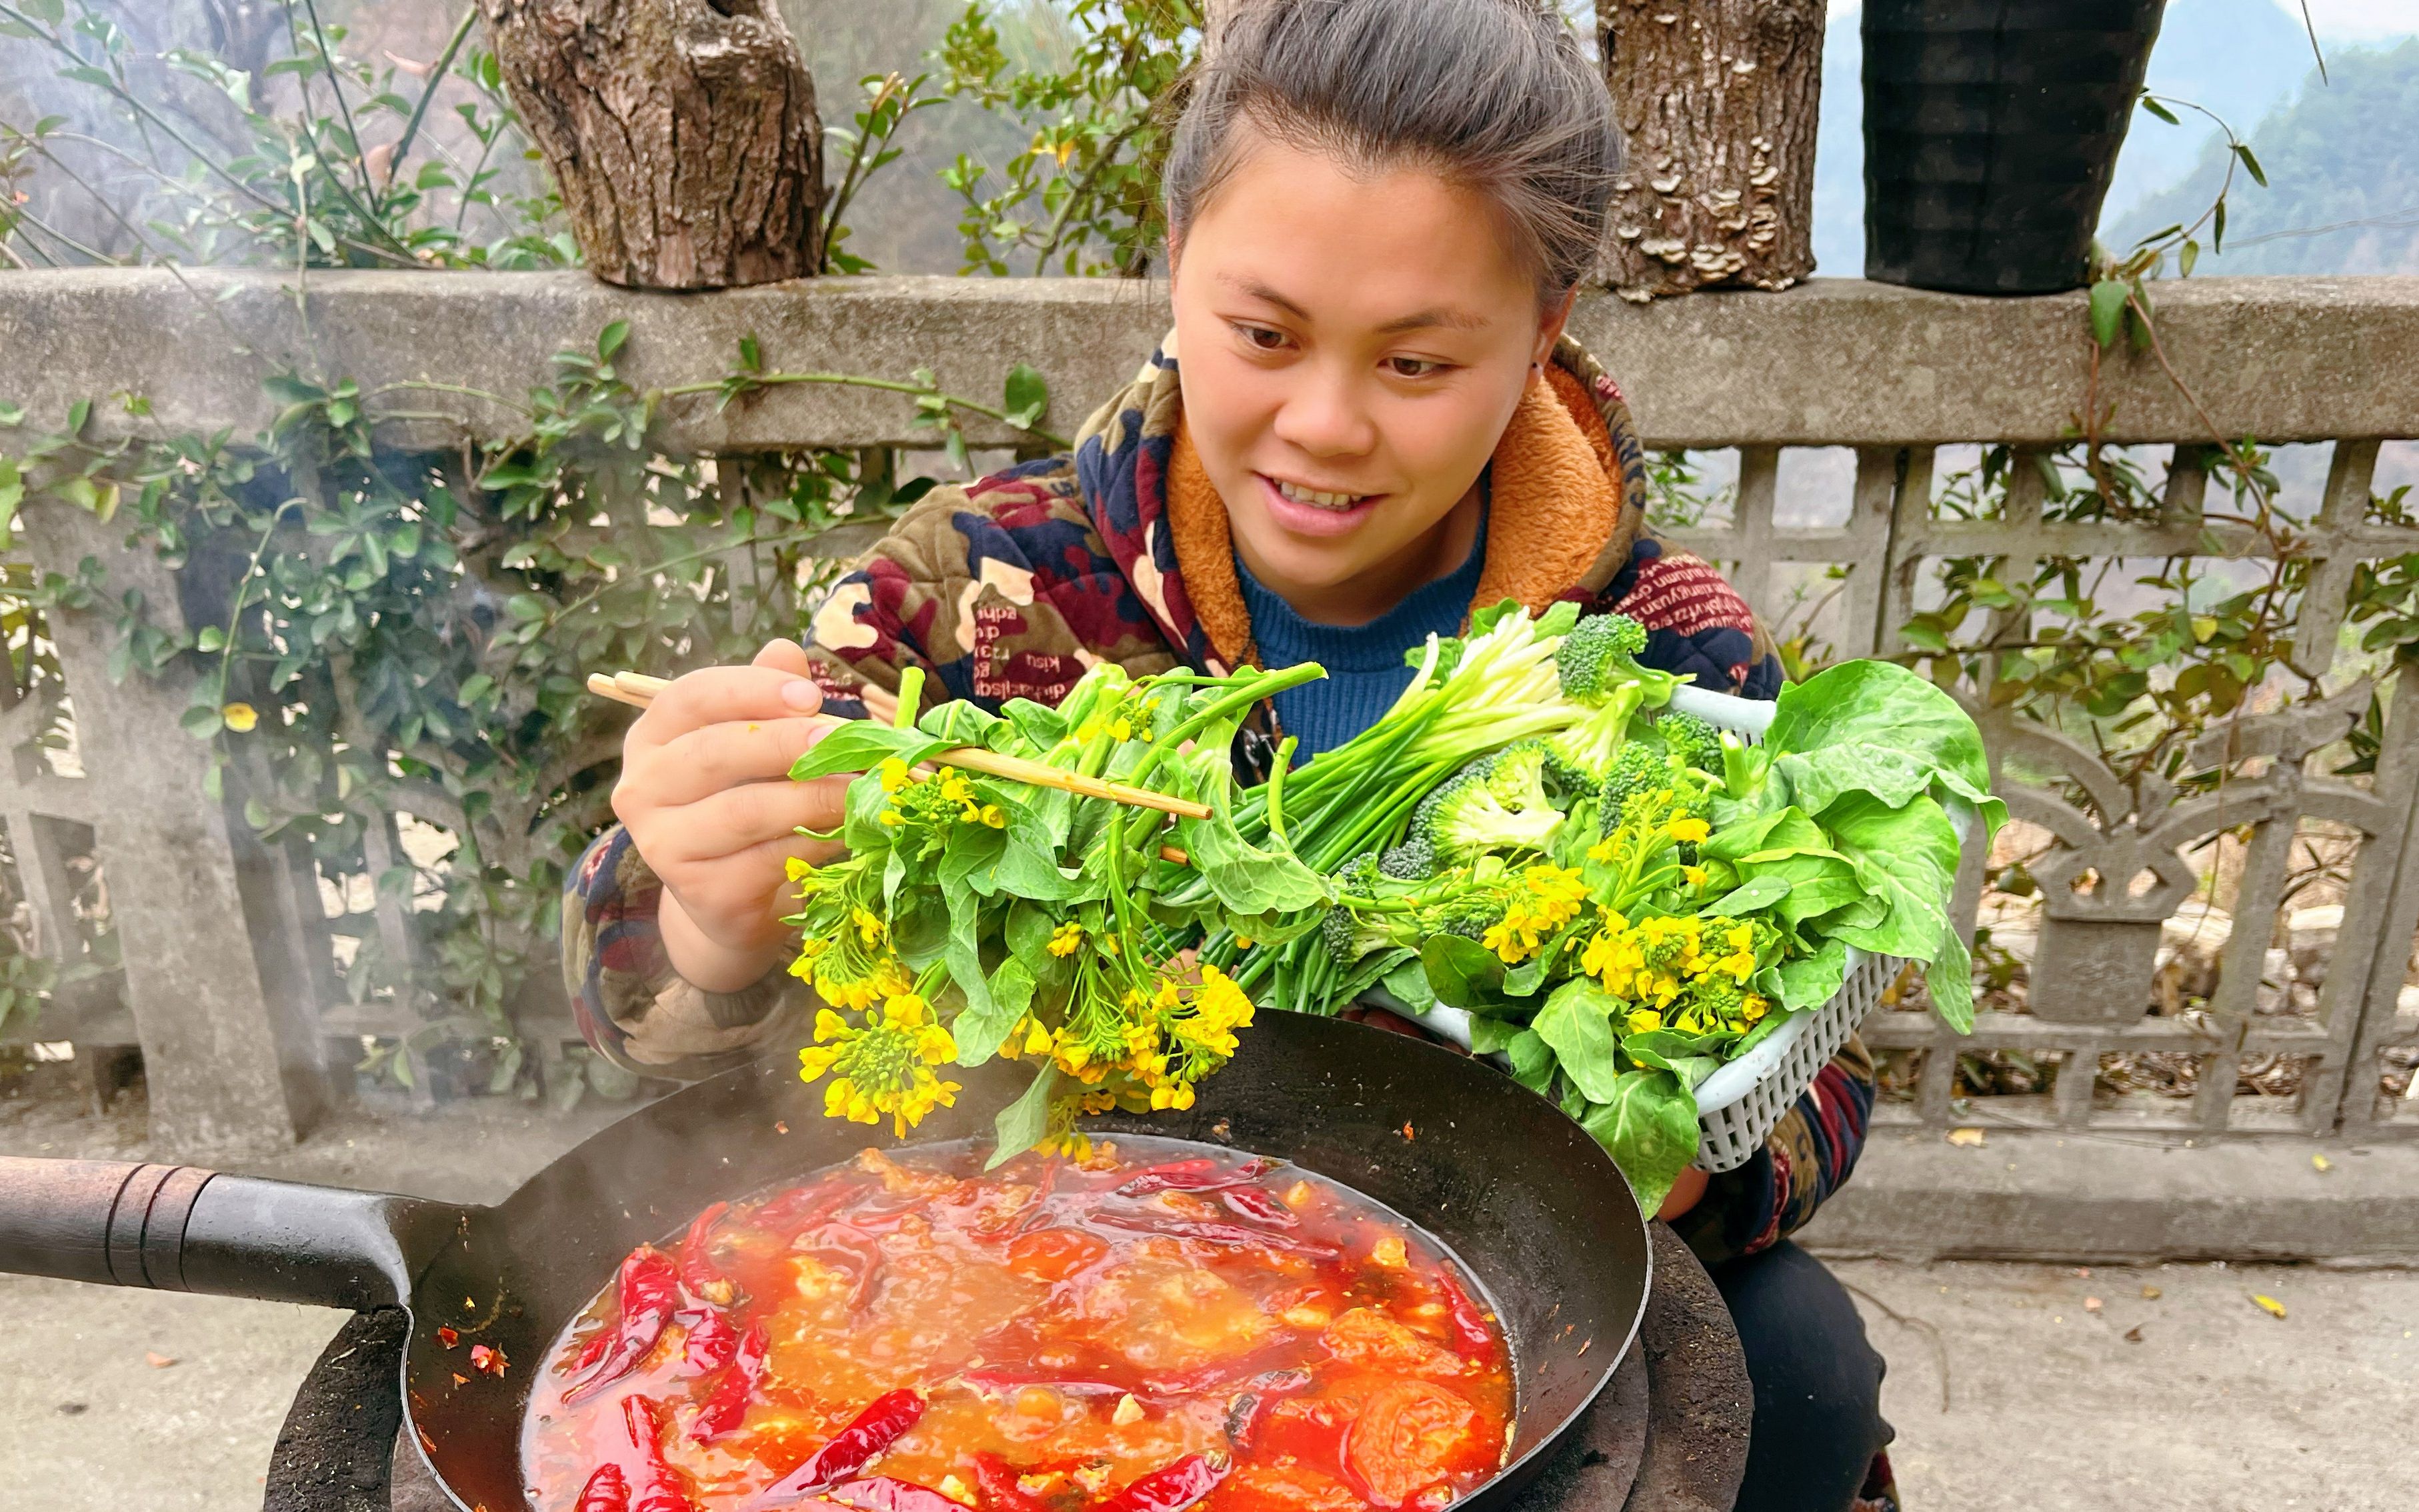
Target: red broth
{"x":1161,"y":1325}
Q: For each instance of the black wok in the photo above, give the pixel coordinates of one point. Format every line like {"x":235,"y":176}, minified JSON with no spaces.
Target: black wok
{"x":1522,"y":1194}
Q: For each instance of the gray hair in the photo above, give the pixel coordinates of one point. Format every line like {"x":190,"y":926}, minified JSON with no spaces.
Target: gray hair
{"x":1494,"y":95}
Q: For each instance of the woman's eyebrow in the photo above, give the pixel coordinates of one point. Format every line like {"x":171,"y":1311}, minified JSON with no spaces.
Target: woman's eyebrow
{"x":1444,"y":316}
{"x":1254,"y":288}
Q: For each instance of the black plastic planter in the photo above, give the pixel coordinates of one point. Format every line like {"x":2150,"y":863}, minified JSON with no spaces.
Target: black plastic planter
{"x":1991,"y":129}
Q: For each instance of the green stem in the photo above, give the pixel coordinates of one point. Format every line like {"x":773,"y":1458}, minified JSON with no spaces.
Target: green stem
{"x":1276,"y":786}
{"x":143,"y":112}
{"x":1230,"y":704}
{"x":768,"y":380}
{"x":244,"y":591}
{"x":681,"y":561}
{"x":429,"y":94}
{"x":336,"y":87}
{"x":430,"y":386}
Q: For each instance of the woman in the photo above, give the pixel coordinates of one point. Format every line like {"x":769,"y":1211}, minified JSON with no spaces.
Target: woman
{"x":1379,"y":212}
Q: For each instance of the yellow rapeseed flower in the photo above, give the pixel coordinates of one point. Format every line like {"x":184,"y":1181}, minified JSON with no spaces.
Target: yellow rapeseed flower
{"x":884,"y":1067}
{"x":1550,"y":897}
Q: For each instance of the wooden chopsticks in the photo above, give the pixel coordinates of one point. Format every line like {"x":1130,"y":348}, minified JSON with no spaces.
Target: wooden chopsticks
{"x":639,"y":691}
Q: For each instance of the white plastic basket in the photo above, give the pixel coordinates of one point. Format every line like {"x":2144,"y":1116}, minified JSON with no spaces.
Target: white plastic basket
{"x":1739,"y":1106}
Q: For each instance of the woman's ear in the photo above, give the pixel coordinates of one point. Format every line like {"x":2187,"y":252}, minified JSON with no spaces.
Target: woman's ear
{"x":1550,"y":327}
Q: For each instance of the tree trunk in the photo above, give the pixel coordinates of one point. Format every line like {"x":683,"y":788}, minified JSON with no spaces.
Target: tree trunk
{"x":682,"y":134}
{"x":1717,"y":99}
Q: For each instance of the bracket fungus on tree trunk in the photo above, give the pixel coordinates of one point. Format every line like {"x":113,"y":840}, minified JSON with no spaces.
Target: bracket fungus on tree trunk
{"x":682,"y":134}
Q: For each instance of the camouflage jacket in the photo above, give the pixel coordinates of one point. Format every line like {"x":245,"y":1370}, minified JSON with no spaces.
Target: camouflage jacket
{"x":1010,"y":586}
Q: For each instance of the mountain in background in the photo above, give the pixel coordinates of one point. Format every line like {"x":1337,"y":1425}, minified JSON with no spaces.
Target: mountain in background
{"x":2343,"y":194}
{"x":2237,"y":57}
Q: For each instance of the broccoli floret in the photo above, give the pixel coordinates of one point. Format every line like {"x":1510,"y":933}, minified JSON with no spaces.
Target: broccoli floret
{"x":1347,"y":936}
{"x":1568,"y":781}
{"x":1469,"y":917}
{"x":1589,"y":747}
{"x":1414,"y":860}
{"x":1639,"y":767}
{"x":1335,"y":933}
{"x":1595,"y":658}
{"x":1496,"y":803}
{"x":1694,"y":741}
{"x":1359,"y":875}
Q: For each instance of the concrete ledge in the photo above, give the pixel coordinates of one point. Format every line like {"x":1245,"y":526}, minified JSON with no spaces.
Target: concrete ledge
{"x":1835,"y":361}
{"x":2073,"y":1199}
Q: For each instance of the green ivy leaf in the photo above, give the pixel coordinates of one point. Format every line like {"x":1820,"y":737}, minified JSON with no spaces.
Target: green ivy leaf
{"x":2107,"y":310}
{"x":1027,"y":396}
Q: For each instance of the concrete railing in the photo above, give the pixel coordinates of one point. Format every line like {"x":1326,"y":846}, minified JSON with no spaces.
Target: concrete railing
{"x":227,"y":982}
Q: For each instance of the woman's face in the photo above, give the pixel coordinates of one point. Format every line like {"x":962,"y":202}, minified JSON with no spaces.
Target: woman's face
{"x":1350,"y":351}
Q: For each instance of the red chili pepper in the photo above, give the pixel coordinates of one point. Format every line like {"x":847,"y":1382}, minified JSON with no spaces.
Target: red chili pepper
{"x":593,"y":1350}
{"x":725,"y":1408}
{"x":697,"y":1271}
{"x":1196,"y":1175}
{"x":1210,"y":1233}
{"x":886,"y":1493}
{"x":659,"y":1488}
{"x":987,"y":1378}
{"x":650,"y":1292}
{"x":447,"y":1337}
{"x":1000,"y":1492}
{"x":607,"y":1490}
{"x":861,"y":1253}
{"x":1244,"y":1416}
{"x":1469,"y":1324}
{"x":1169,"y":1489}
{"x":1250,"y":1407}
{"x":867,"y":1434}
{"x":1255,"y":1202}
{"x":710,"y":1343}
{"x":793,"y":1213}
{"x":1176,"y":1175}
{"x":490,"y":1360}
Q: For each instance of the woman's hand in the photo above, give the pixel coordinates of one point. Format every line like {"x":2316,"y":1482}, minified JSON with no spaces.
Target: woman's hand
{"x":706,"y":797}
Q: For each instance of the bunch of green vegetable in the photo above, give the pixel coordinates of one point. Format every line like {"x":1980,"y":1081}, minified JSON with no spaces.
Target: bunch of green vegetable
{"x":975,"y":915}
{"x":1623,"y":897}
